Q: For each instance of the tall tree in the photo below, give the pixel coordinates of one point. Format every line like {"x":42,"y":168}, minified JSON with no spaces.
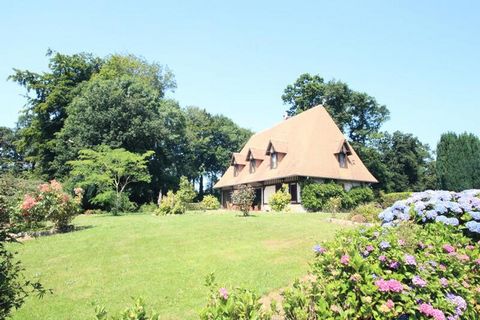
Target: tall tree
{"x":400,"y":161}
{"x":45,"y":111}
{"x":10,"y":159}
{"x":458,"y":161}
{"x":357,"y":114}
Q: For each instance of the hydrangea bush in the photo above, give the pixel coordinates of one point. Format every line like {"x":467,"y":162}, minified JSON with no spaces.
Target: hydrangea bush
{"x":409,"y":272}
{"x":458,"y":209}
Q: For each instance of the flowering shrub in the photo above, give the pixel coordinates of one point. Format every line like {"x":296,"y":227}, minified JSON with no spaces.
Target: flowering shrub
{"x":458,"y":209}
{"x":210,"y":202}
{"x":50,"y":203}
{"x":237,"y":304}
{"x":430,"y":272}
{"x":136,"y":312}
{"x":280,"y":200}
{"x":243,"y":198}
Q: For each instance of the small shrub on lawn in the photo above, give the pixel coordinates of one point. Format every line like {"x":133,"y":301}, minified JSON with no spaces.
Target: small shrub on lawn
{"x":136,"y":312}
{"x":147,"y":208}
{"x":170,"y":205}
{"x":210,"y":202}
{"x":237,"y":304}
{"x":50,"y":203}
{"x":243,"y":198}
{"x":414,"y":272}
{"x":388,"y":199}
{"x":315,"y":195}
{"x":369,"y":212}
{"x":458,"y":209}
{"x":280,"y":200}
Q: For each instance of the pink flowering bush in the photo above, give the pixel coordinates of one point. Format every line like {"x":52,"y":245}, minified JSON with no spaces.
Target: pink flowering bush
{"x":407,"y":272}
{"x":50,"y":203}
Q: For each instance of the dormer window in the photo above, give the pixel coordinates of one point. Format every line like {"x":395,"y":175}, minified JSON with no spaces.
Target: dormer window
{"x":342,"y":160}
{"x":273,"y":160}
{"x":235,"y":170}
{"x":238,"y":162}
{"x":253,"y":165}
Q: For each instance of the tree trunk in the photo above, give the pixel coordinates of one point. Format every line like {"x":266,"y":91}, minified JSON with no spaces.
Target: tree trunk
{"x":200,"y":188}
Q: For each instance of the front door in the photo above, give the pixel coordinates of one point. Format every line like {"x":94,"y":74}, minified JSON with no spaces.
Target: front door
{"x":257,"y":201}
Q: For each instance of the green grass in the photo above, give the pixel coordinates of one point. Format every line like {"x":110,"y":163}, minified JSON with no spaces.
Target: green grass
{"x":165,"y":260}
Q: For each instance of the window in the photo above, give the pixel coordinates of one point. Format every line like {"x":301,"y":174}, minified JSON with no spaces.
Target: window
{"x":273,"y":160}
{"x":252,"y":165}
{"x":292,"y":189}
{"x":342,"y":160}
{"x":235,"y":170}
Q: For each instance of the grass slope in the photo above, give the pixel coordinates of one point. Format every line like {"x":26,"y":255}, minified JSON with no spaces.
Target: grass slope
{"x":165,"y":260}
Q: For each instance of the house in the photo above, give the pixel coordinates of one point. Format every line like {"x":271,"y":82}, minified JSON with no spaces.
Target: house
{"x":306,"y":146}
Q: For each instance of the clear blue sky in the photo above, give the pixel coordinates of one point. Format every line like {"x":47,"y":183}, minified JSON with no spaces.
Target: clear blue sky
{"x":420,"y":58}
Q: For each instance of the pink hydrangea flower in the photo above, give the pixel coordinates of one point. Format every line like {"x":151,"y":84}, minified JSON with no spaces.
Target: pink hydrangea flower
{"x":382,"y":258}
{"x":419,"y":282}
{"x":389,"y":285}
{"x":444,"y":282}
{"x":390,"y":304}
{"x":477,"y":261}
{"x":469,"y":247}
{"x":223,"y":292}
{"x":28,"y":202}
{"x":430,"y":311}
{"x":345,"y":259}
{"x":401,"y":242}
{"x":463,"y":257}
{"x":410,"y":260}
{"x":370,"y":248}
{"x":448,"y":248}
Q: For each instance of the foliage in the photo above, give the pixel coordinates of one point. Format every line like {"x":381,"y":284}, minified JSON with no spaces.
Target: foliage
{"x":45,"y":111}
{"x":243,"y":198}
{"x":237,"y":304}
{"x":280,"y":200}
{"x":400,"y":161}
{"x":210,"y":202}
{"x":186,"y":192}
{"x":388,"y":199}
{"x":333,"y":205}
{"x":111,"y":171}
{"x":10,"y":159}
{"x":357,"y":196}
{"x":136,"y":312}
{"x":316,"y":195}
{"x":170,"y":205}
{"x":357,"y":114}
{"x":458,"y":161}
{"x":394,"y":273}
{"x":211,"y":140}
{"x":458,"y":209}
{"x":52,"y":204}
{"x":14,"y":287}
{"x":148,"y":208}
{"x":368,"y":211}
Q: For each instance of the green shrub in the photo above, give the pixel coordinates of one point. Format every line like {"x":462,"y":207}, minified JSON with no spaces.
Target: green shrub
{"x":243,"y":198}
{"x":404,"y":272}
{"x":333,"y":205}
{"x":280,"y":200}
{"x":195,"y":206}
{"x":136,"y":312}
{"x":148,"y":208}
{"x":315,"y":195}
{"x":369,"y":211}
{"x":170,"y":205}
{"x":388,"y":199}
{"x":114,"y":202}
{"x":210,"y":202}
{"x":237,"y":304}
{"x":357,"y":196}
{"x":186,"y":193}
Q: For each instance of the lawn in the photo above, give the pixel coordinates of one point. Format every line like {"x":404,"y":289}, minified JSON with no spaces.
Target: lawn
{"x":166,"y":259}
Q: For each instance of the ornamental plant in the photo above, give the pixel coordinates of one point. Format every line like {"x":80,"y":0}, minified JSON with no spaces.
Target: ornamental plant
{"x":280,"y":200}
{"x":243,"y":198}
{"x":315,"y":195}
{"x":458,"y":209}
{"x":408,"y":272}
{"x":50,"y":203}
{"x":210,"y":202}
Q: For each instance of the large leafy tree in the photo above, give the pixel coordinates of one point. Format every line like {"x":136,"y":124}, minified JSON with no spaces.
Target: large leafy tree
{"x":211,"y":141}
{"x":458,"y":161}
{"x":357,"y":114}
{"x":48,"y":95}
{"x":400,"y":162}
{"x":10,"y":158}
{"x":110,"y":171}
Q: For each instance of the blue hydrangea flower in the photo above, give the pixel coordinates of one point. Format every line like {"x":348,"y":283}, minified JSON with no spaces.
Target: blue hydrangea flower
{"x":384,"y":245}
{"x":473,"y":226}
{"x":475,"y":215}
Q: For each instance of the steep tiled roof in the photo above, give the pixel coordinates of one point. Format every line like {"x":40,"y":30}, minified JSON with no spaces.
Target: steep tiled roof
{"x":310,"y":142}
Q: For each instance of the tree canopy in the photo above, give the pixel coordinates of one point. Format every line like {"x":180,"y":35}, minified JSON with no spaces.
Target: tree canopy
{"x":458,"y":161}
{"x":357,"y":114}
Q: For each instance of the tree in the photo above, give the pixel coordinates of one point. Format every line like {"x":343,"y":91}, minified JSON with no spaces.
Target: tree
{"x":45,"y":111}
{"x":111,"y":171}
{"x":186,"y":193}
{"x":400,"y":161}
{"x":458,"y":161}
{"x":357,"y":114}
{"x":10,"y":159}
